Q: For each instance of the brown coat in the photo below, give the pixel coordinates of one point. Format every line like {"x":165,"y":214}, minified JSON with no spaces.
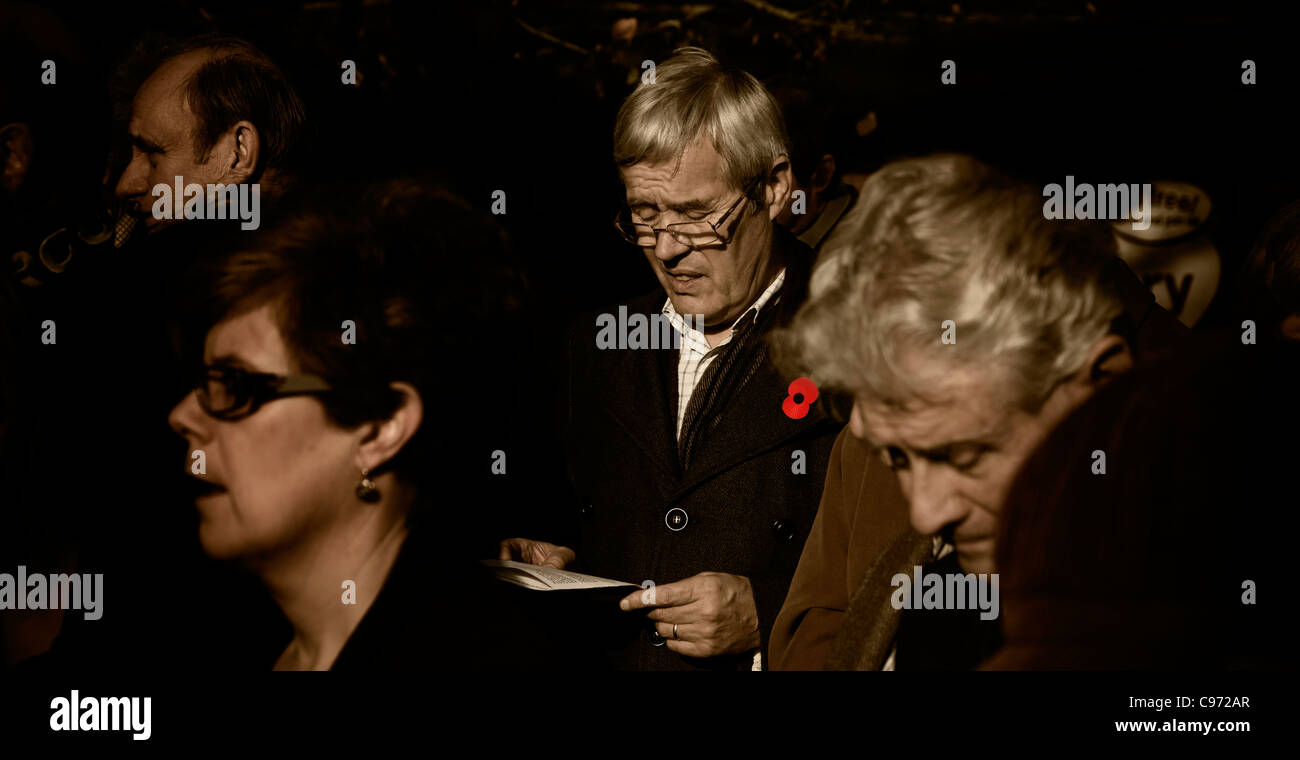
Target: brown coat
{"x":863,"y":513}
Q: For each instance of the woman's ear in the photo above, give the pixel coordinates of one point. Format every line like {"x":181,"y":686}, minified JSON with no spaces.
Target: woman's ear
{"x":387,"y":437}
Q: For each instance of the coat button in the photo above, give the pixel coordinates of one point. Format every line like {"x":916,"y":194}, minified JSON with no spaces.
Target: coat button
{"x":676,"y":519}
{"x":655,"y":639}
{"x":783,"y":529}
{"x":584,"y":510}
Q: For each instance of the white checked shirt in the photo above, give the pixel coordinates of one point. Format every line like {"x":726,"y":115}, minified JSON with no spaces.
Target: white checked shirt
{"x":696,"y":354}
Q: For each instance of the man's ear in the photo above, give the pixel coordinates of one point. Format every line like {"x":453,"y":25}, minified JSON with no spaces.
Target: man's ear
{"x":244,"y":152}
{"x":1108,"y":358}
{"x":823,"y":173}
{"x":385,"y":438}
{"x":17,"y":148}
{"x":780,"y":183}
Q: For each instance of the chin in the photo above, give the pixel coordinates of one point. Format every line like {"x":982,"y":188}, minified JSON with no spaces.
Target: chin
{"x":223,"y":539}
{"x":693,"y":304}
{"x":219,"y":544}
{"x":976,"y":564}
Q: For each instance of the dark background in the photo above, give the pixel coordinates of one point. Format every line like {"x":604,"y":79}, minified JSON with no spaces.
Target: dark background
{"x":521,"y":97}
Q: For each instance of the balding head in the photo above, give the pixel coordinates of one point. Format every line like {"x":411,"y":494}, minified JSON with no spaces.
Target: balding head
{"x":216,"y":110}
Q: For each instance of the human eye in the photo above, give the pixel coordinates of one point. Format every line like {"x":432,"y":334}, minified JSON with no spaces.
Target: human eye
{"x":965,"y":458}
{"x":147,"y":149}
{"x":230,"y":377}
{"x":643,"y":214}
{"x":894,"y":458}
{"x":218,"y":389}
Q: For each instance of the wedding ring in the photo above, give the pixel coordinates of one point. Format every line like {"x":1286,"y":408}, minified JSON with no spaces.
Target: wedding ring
{"x":675,"y":631}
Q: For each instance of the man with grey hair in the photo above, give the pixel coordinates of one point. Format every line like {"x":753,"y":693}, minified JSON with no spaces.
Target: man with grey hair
{"x":966,"y":325}
{"x":690,"y":478}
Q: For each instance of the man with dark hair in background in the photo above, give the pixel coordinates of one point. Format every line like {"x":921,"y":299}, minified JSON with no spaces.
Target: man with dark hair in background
{"x":209,"y":110}
{"x":820,"y":141}
{"x":216,"y":110}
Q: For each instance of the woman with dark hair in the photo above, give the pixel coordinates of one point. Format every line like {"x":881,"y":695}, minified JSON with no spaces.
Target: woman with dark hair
{"x":327,"y":343}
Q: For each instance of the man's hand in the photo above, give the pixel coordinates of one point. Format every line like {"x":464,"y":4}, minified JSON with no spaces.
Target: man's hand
{"x":714,"y":614}
{"x":536,"y":553}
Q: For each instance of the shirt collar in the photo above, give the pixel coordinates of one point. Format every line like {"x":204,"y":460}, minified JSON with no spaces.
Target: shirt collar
{"x":939,"y":547}
{"x":830,"y":216}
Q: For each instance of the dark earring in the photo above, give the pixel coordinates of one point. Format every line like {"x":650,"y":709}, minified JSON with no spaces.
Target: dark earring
{"x":366,"y":489}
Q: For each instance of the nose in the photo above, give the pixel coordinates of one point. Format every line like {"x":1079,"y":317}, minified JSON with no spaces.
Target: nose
{"x":134,"y":181}
{"x":933,"y":497}
{"x":668,"y":248}
{"x":189,"y":420}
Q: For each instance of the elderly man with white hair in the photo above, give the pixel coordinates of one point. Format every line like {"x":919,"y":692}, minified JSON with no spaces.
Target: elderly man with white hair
{"x":689,"y":474}
{"x":966,"y":326}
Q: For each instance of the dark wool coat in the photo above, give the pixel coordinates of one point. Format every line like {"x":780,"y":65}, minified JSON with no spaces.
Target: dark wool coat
{"x":743,"y":507}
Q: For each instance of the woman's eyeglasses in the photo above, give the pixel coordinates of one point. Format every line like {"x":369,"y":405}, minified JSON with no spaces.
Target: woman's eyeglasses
{"x":230,"y":393}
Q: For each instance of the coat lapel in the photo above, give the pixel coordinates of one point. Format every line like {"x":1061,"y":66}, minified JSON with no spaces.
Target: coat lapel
{"x":867,"y":634}
{"x":638,"y":389}
{"x":749,"y":423}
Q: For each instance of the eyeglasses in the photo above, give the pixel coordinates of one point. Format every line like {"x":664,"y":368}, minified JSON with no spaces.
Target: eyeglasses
{"x":693,"y":234}
{"x":230,"y":393}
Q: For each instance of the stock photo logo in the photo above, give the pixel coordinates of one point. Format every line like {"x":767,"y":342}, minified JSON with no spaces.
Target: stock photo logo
{"x":242,"y":201}
{"x":639,"y":332}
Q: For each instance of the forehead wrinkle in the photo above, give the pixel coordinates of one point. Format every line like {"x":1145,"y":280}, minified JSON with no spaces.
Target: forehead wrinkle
{"x":926,"y":424}
{"x":909,"y":429}
{"x":703,"y":152}
{"x":142,"y":140}
{"x":659,"y":188}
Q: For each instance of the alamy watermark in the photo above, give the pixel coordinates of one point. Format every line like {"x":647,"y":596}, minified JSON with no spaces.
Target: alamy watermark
{"x":194,"y":201}
{"x":1110,"y":202}
{"x":77,"y":713}
{"x":947,"y":591}
{"x":60,"y":591}
{"x":638,"y":331}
